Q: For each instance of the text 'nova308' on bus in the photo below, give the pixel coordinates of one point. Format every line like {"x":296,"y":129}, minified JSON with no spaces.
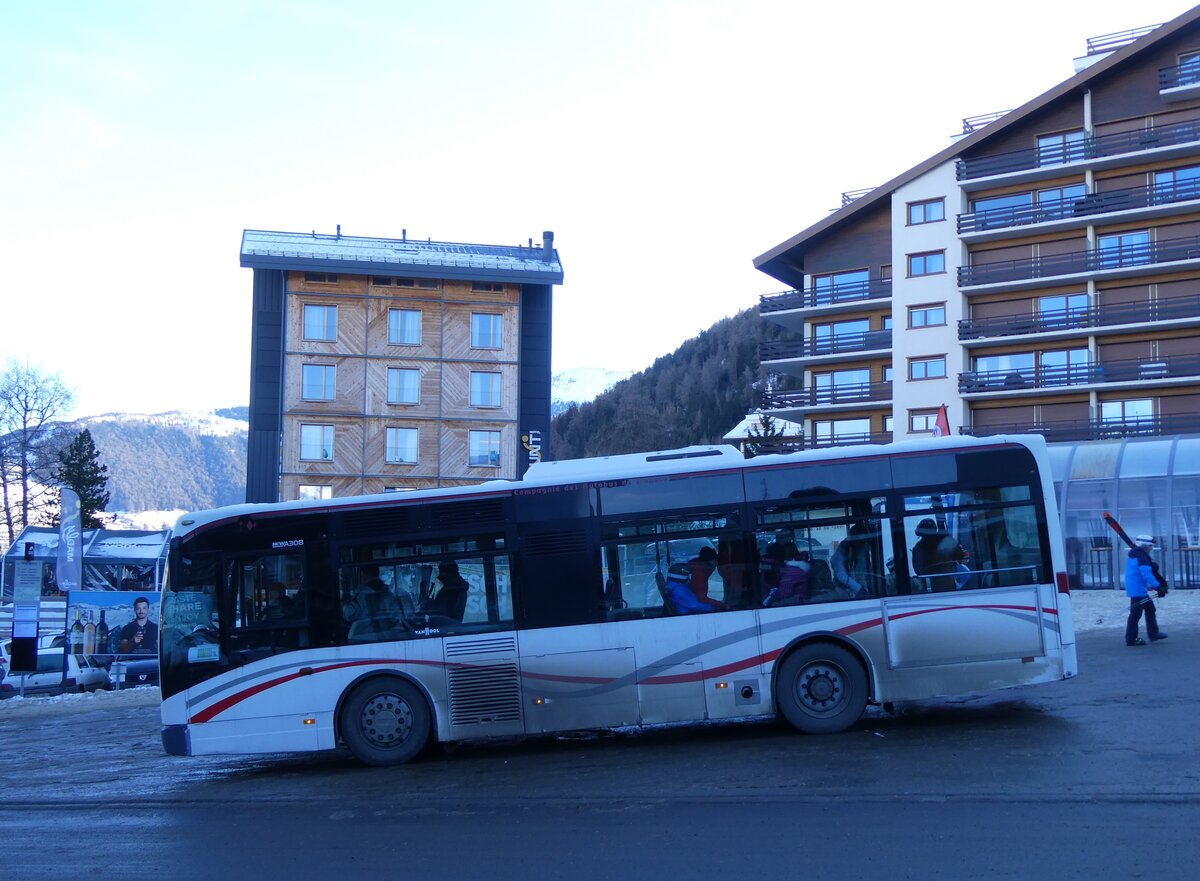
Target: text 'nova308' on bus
{"x":641,"y":589}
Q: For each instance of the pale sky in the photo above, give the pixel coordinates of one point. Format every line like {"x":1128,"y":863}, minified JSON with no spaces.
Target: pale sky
{"x":665,"y":142}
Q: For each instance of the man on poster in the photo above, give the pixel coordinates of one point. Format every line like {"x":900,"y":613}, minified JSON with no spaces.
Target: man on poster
{"x":139,"y":636}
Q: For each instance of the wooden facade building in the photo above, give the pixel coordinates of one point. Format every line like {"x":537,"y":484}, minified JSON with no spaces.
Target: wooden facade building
{"x":390,"y":364}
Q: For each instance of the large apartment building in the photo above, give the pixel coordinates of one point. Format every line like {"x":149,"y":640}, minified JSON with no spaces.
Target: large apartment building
{"x":1041,"y":273}
{"x":391,"y":364}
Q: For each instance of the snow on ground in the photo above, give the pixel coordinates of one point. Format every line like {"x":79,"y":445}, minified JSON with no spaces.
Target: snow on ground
{"x":1093,"y":610}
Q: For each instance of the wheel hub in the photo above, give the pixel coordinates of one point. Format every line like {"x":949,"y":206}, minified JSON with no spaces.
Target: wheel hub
{"x":820,"y":688}
{"x":386,"y":720}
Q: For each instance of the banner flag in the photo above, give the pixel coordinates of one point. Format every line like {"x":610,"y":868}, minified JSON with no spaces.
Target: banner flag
{"x":69,"y":569}
{"x":941,"y":428}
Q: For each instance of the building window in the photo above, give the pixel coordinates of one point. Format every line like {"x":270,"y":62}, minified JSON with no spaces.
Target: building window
{"x":836,"y":286}
{"x":929,"y":211}
{"x":1123,"y":249}
{"x":840,"y":336}
{"x":485,"y":389}
{"x":927,"y":368}
{"x":404,"y":327}
{"x":1189,"y":68}
{"x":887,"y":373}
{"x":401,"y":446}
{"x":927,"y":316}
{"x":316,"y":442}
{"x":317,"y":382}
{"x":835,"y":431}
{"x":1064,"y":367}
{"x":403,"y":385}
{"x":485,"y":331}
{"x":483,"y":448}
{"x":490,"y":287}
{"x":321,"y":277}
{"x":889,"y":423}
{"x":922,"y":420}
{"x":1062,"y":147}
{"x":320,"y":323}
{"x":928,"y":263}
{"x":1061,"y":310}
{"x":887,"y":322}
{"x":315,"y":491}
{"x":842,"y":385}
{"x":1177,"y":184}
{"x":1134,"y":414}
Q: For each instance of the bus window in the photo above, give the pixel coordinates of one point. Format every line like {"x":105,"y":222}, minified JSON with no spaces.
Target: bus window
{"x":393,"y":601}
{"x":986,"y":537}
{"x":824,"y":552}
{"x":635,"y":573}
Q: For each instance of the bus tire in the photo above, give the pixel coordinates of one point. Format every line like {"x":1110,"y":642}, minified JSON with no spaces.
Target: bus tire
{"x":385,"y":721}
{"x":821,"y":688}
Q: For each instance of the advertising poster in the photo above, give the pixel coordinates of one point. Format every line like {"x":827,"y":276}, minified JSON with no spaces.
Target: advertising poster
{"x":106,"y":624}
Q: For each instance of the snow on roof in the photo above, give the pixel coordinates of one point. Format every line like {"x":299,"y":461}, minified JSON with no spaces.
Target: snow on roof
{"x":741,"y":431}
{"x":110,"y":544}
{"x":263,"y":249}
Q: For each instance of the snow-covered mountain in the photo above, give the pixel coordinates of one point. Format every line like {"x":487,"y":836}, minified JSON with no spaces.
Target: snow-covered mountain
{"x":581,"y":384}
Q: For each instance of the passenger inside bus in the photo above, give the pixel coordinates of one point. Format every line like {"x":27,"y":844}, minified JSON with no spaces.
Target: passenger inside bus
{"x":701,"y":568}
{"x":678,"y":597}
{"x":851,"y":561}
{"x":374,"y":612}
{"x":793,"y":576}
{"x":936,"y":556}
{"x":449,"y":600}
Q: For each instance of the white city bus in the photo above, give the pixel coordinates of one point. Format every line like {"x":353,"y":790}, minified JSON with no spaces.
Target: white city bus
{"x":927,"y":569}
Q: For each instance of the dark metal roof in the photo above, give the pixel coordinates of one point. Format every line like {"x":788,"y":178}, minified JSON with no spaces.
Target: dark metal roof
{"x":262,"y":249}
{"x":771,"y":263}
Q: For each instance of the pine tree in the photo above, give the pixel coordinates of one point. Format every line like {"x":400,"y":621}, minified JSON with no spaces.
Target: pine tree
{"x":79,"y":469}
{"x":764,"y":437}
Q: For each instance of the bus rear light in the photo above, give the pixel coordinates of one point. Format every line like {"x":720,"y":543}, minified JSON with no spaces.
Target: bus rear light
{"x":1064,"y":586}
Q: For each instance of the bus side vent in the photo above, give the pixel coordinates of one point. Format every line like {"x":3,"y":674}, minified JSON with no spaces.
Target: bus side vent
{"x":376,"y":521}
{"x":556,"y":543}
{"x":484,"y":694}
{"x":504,"y":645}
{"x":468,"y":513}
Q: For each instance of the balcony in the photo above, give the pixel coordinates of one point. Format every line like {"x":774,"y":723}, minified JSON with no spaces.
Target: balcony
{"x":1181,"y":82}
{"x":872,"y":289}
{"x":813,"y":347}
{"x":1135,"y":370}
{"x":837,"y":395}
{"x":847,"y":440}
{"x":1117,"y":315}
{"x":1085,"y":206}
{"x":1094,"y":429}
{"x":1088,"y":149}
{"x":1127,"y":260}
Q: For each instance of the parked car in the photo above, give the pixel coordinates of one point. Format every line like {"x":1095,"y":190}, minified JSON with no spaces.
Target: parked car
{"x":132,"y":672}
{"x":81,"y":675}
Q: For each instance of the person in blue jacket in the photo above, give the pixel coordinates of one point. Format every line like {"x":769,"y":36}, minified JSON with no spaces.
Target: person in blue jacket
{"x":1140,"y":579}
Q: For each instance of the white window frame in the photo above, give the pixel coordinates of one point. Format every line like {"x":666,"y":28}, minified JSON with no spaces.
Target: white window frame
{"x":394,"y":449}
{"x":327,"y":386}
{"x":396,"y":327}
{"x":328,"y":326}
{"x":494,"y":336}
{"x":483,"y":449}
{"x":314,"y":491}
{"x":486,"y":386}
{"x":324,"y":444}
{"x":395,"y":389}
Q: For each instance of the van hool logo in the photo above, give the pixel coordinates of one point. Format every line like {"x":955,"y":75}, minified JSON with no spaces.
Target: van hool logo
{"x":533,"y":443}
{"x":292,"y":543}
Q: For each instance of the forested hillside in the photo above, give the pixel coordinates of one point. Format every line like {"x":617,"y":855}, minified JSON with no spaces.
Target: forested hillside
{"x":157,"y":464}
{"x":692,"y":396}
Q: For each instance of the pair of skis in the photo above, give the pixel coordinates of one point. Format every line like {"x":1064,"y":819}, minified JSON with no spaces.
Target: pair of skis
{"x":1124,"y":536}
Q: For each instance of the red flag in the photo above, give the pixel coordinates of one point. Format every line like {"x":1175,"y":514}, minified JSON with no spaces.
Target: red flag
{"x":941,"y":428}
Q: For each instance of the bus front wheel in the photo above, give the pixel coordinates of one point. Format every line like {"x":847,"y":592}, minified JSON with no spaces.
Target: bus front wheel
{"x":821,"y":689}
{"x":385,"y":721}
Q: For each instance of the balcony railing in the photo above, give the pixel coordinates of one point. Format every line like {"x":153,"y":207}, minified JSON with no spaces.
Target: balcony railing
{"x":871,"y":289}
{"x":1081,"y":206}
{"x":1090,"y":260}
{"x":848,"y":440}
{"x":1094,"y":429}
{"x":1095,"y":316}
{"x":835,"y":345}
{"x":1131,"y":370}
{"x":1186,"y":74}
{"x":1115,"y":144}
{"x":848,"y":393}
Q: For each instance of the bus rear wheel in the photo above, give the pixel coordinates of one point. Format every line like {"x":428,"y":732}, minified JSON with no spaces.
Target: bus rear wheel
{"x":821,"y":689}
{"x":385,"y":722}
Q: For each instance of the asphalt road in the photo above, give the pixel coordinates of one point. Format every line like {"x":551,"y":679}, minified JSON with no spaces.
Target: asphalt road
{"x":1095,"y":778}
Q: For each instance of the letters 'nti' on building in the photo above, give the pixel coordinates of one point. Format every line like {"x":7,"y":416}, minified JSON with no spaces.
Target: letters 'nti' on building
{"x":392,"y":364}
{"x":1041,"y":273}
